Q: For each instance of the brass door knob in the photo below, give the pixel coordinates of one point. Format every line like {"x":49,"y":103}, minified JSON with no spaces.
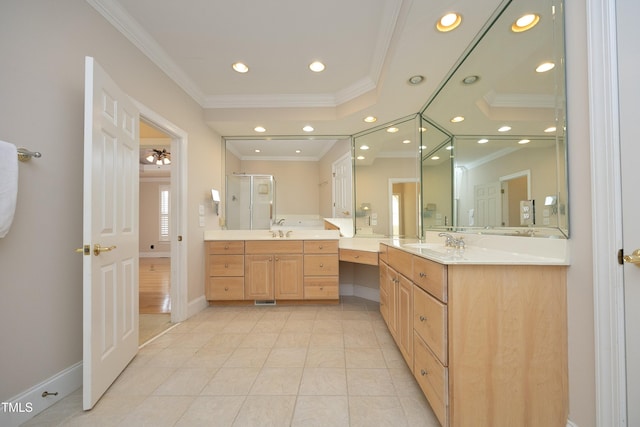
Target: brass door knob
{"x":97,"y":249}
{"x":634,"y":258}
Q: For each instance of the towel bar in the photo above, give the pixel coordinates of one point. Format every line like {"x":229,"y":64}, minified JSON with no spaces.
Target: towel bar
{"x":25,"y":155}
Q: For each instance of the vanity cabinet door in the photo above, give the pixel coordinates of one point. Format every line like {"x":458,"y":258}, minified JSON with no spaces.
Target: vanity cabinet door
{"x":393,"y":278}
{"x":384,"y":292}
{"x":259,"y":277}
{"x":405,"y":319}
{"x":433,"y":379}
{"x":288,"y":276}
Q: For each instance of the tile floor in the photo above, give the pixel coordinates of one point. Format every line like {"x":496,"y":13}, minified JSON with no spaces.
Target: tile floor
{"x":262,"y":366}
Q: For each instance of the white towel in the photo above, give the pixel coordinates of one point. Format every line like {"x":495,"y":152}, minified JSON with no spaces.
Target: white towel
{"x":8,"y":185}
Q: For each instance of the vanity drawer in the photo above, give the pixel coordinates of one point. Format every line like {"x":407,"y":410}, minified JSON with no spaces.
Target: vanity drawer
{"x":430,"y":276}
{"x":430,"y":322}
{"x":226,"y":247}
{"x":432,"y":378}
{"x":273,"y":247}
{"x":226,"y":265}
{"x":321,"y":265}
{"x":360,"y":257}
{"x":225,"y":288}
{"x":321,"y":287}
{"x":400,"y":261}
{"x":320,"y":246}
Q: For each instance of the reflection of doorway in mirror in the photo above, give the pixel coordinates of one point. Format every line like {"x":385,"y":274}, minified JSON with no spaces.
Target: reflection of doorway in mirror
{"x":487,"y":205}
{"x":403,"y":207}
{"x":514,"y":188}
{"x":342,"y":183}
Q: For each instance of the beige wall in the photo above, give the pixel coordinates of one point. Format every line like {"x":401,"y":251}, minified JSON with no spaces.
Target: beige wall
{"x":43,"y":45}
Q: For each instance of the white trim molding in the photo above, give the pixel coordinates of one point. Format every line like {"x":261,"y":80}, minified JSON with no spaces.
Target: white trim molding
{"x":607,"y":213}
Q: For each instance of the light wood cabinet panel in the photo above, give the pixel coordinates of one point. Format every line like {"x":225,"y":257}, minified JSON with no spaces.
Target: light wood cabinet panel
{"x":384,"y":292}
{"x":320,"y":246}
{"x":226,"y":265}
{"x":433,"y":380}
{"x":430,"y":322}
{"x":360,"y":257}
{"x":393,"y":278}
{"x":430,"y":276}
{"x":226,"y":247}
{"x":382,"y":253}
{"x":259,"y":279}
{"x":508,"y":345}
{"x":288,"y":277}
{"x":225,"y":288}
{"x":321,"y":265}
{"x":401,"y":261}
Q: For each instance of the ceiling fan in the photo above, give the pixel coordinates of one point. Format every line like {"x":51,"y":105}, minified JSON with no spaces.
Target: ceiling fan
{"x":159,"y":157}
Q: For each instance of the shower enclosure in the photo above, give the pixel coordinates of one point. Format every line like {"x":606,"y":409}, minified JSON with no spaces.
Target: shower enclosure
{"x":250,"y":201}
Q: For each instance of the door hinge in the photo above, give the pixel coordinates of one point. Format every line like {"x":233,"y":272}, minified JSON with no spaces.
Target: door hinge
{"x":621,"y":256}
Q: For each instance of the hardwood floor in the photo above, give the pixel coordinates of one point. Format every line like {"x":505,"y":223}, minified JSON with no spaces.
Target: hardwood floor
{"x":154,"y":297}
{"x":155,"y":276}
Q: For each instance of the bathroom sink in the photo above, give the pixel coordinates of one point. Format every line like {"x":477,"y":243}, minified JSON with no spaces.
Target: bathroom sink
{"x":438,"y":247}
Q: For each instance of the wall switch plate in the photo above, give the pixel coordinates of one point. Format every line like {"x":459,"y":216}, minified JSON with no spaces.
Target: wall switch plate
{"x":527,"y":212}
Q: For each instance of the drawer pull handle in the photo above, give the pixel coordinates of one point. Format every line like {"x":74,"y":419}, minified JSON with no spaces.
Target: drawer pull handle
{"x":321,"y":265}
{"x":320,"y":247}
{"x":226,"y":246}
{"x":321,"y":288}
{"x":226,"y":288}
{"x":423,"y":274}
{"x":422,"y":318}
{"x":226,"y":265}
{"x":423,"y":372}
{"x":357,"y":256}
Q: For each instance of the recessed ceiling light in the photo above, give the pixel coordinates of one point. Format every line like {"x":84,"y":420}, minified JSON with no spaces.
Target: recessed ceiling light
{"x":435,"y":158}
{"x":259,"y":129}
{"x":524,"y":141}
{"x":316,"y":66}
{"x":483,"y":141}
{"x":240,"y":67}
{"x":406,"y":141}
{"x":525,"y":22}
{"x":450,"y":147}
{"x":423,"y":129}
{"x":550,"y":129}
{"x":393,"y":129}
{"x":415,"y":80}
{"x":360,"y":157}
{"x":298,"y":151}
{"x":257,"y":150}
{"x":457,"y":119}
{"x":469,"y":80}
{"x":504,"y":129}
{"x":423,"y":147}
{"x":364,"y":147}
{"x":449,"y":22}
{"x":545,"y":66}
{"x":370,"y":119}
{"x":308,"y":128}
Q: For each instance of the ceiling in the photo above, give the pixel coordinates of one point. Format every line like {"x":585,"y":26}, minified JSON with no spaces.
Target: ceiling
{"x":370,"y":48}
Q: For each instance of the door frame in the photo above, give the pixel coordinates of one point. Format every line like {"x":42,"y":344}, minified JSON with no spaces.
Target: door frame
{"x":390,"y":200}
{"x":178,"y":217}
{"x":606,"y":206}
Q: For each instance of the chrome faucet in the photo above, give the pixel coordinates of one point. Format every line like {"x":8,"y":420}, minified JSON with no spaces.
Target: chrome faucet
{"x":452,"y":242}
{"x":280,"y":233}
{"x":280,"y":221}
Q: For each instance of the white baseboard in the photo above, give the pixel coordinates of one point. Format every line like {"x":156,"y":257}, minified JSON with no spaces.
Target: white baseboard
{"x":197,"y":305}
{"x":154,"y":254}
{"x":30,"y":403}
{"x":360,"y":291}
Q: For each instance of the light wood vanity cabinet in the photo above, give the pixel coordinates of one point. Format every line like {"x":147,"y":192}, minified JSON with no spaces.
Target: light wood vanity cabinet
{"x":272,"y":270}
{"x":489,"y":341}
{"x":225,"y":270}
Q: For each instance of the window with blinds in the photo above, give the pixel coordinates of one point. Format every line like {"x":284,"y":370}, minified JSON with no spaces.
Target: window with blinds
{"x":165,"y":198}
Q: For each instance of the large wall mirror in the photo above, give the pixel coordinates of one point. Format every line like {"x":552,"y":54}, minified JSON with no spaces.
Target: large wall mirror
{"x":387,"y":184}
{"x":495,"y":139}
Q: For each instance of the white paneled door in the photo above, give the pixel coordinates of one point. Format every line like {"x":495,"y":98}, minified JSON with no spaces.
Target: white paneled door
{"x":628,"y":13}
{"x":110,"y":233}
{"x":342,"y":187}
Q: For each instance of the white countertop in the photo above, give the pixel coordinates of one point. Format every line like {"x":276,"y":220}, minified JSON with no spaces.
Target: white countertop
{"x":267,"y":235}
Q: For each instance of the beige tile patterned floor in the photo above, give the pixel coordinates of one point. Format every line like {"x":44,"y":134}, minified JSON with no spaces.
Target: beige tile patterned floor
{"x":262,"y":366}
